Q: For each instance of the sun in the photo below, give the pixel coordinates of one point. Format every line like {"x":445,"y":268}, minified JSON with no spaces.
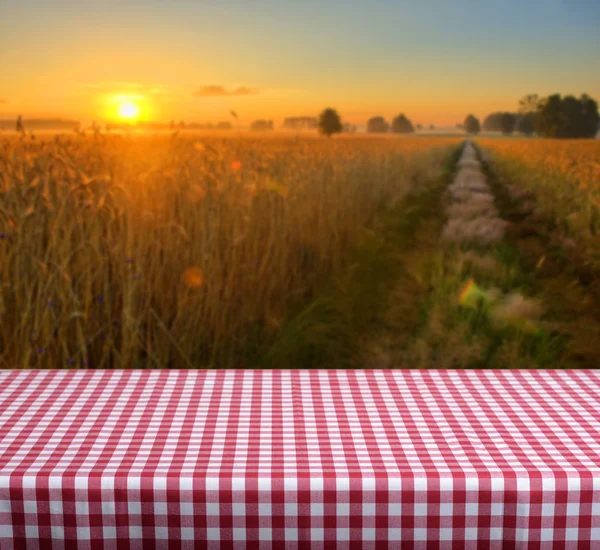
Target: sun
{"x":128,"y":110}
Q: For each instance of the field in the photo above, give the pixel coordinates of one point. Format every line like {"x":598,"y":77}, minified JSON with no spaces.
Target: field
{"x":181,"y":251}
{"x":553,"y":201}
{"x":200,"y":251}
{"x":563,"y":176}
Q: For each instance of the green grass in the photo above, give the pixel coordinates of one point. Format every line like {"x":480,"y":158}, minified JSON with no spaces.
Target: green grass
{"x":450,"y":335}
{"x":328,"y":331}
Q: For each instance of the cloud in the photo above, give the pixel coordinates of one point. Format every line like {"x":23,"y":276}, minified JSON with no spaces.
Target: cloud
{"x":221,"y":91}
{"x":127,"y":88}
{"x":111,"y":85}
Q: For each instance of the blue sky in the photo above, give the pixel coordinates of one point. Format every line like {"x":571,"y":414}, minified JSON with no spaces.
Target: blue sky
{"x":434,"y":59}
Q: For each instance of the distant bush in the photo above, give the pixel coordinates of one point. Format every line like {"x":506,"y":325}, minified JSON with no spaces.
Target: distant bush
{"x":261,"y":125}
{"x":402,"y":125}
{"x":377,"y":125}
{"x":330,"y":122}
{"x":472,"y":125}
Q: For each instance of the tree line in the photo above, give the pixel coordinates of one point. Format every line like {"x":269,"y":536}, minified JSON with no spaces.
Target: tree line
{"x":330,"y":123}
{"x":554,"y":116}
{"x":400,"y":125}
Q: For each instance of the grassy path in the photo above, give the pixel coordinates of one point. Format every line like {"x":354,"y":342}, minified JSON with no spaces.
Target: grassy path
{"x":458,"y":277}
{"x":562,"y":281}
{"x":478,"y":305}
{"x":335,"y":329}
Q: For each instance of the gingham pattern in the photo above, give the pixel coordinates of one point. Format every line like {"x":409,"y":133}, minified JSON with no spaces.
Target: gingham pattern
{"x":277,"y":459}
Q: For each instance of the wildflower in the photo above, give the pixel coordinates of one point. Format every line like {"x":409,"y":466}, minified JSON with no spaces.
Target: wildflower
{"x":236,"y":166}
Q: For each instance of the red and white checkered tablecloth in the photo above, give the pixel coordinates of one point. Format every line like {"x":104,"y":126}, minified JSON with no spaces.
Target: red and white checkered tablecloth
{"x":299,"y":459}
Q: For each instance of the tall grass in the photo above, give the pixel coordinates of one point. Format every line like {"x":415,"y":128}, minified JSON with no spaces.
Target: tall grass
{"x":175,"y":251}
{"x":563,"y":177}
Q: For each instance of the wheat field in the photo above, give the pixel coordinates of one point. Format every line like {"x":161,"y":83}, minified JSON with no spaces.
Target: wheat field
{"x":180,"y":251}
{"x":563,"y":177}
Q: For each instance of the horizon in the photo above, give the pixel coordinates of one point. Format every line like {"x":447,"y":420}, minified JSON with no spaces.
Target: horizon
{"x":145,"y":61}
{"x":198,"y":124}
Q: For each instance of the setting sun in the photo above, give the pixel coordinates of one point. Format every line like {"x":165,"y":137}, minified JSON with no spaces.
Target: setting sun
{"x":129,"y":110}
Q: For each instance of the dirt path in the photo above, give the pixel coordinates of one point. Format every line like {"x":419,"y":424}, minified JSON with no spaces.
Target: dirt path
{"x":481,"y":287}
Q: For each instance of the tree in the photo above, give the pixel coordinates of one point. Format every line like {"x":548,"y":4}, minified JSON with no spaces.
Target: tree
{"x":330,"y":122}
{"x":402,"y":125}
{"x":567,"y":117}
{"x":419,"y":126}
{"x":508,"y":123}
{"x":526,"y":124}
{"x":590,"y":117}
{"x":261,"y":125}
{"x":493,"y":122}
{"x":472,"y":125}
{"x":377,"y":125}
{"x":529,"y":104}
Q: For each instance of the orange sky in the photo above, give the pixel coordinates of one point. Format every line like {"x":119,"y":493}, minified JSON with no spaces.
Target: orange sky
{"x":434,"y":60}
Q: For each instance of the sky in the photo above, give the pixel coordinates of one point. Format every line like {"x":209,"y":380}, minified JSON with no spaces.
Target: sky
{"x":196,"y":60}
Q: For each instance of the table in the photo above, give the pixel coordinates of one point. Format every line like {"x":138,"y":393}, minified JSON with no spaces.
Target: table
{"x":299,"y":459}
